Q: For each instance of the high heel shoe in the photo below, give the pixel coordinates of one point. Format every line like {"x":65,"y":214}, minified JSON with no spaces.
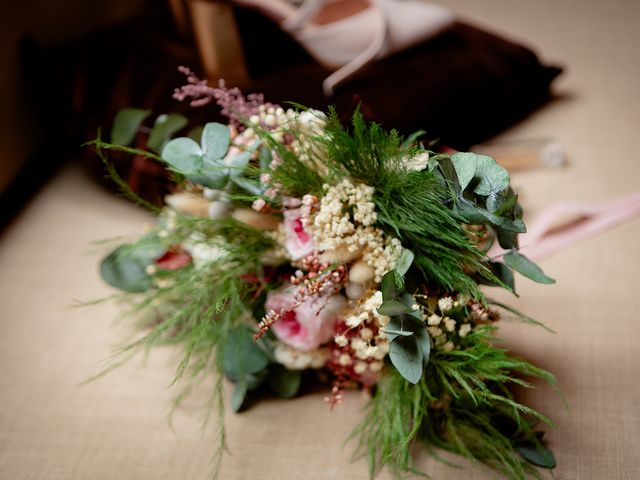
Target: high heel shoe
{"x":346,"y":35}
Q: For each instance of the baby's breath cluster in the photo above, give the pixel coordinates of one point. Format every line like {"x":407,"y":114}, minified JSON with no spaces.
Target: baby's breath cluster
{"x":362,"y":346}
{"x":295,"y":359}
{"x":343,"y":227}
{"x":450,"y":320}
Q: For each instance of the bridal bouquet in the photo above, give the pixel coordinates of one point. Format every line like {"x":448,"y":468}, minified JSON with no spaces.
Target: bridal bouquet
{"x":295,"y":249}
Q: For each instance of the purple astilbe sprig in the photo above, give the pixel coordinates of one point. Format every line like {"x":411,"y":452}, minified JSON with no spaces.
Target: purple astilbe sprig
{"x":233,"y":104}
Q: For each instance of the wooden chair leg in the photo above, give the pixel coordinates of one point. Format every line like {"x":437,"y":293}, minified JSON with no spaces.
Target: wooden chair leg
{"x":218,"y":40}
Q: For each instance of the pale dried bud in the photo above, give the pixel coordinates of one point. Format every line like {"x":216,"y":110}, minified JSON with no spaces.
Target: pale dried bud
{"x":259,"y":221}
{"x":189,"y":203}
{"x":361,"y":272}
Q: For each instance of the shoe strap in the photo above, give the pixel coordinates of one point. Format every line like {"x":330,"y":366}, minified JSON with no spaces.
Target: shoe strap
{"x":302,"y":14}
{"x":365,"y":57}
{"x":562,"y":225}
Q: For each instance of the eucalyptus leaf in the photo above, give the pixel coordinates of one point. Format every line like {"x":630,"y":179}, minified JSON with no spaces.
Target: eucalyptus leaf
{"x":127,"y":272}
{"x":494,"y":202}
{"x":465,"y":164}
{"x":526,"y":267}
{"x":264,"y":158}
{"x":238,"y":395}
{"x":183,"y":155}
{"x":394,"y":333}
{"x":393,"y":307}
{"x":126,"y":125}
{"x":241,"y":354}
{"x":164,"y":128}
{"x":424,"y":342}
{"x":215,"y":140}
{"x":397,"y":326}
{"x":507,"y":239}
{"x":504,"y":274}
{"x":195,"y":133}
{"x":537,"y":454}
{"x":407,"y":299}
{"x":508,"y":207}
{"x":404,"y":261}
{"x":448,"y":173}
{"x":248,"y":185}
{"x":389,"y":286}
{"x":208,"y":179}
{"x":492,"y":177}
{"x":283,"y":382}
{"x":406,"y":356}
{"x":516,"y":226}
{"x":254,"y":380}
{"x":411,"y":139}
{"x":470,"y":212}
{"x":238,"y":163}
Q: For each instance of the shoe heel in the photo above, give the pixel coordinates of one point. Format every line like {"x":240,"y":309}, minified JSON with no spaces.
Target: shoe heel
{"x":218,"y":41}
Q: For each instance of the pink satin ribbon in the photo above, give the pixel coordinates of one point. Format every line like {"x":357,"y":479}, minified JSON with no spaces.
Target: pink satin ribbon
{"x":562,"y":225}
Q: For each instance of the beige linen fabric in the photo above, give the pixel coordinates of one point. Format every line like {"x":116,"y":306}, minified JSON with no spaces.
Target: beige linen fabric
{"x":116,"y":428}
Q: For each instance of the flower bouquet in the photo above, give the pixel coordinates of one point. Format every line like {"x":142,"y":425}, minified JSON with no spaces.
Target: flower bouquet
{"x":296,"y":249}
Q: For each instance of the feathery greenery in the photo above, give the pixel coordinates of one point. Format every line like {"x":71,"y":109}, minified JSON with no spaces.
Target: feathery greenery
{"x":461,"y":404}
{"x":412,"y":206}
{"x":197,"y":307}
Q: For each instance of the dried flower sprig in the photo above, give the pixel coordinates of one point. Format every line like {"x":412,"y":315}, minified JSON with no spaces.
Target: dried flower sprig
{"x":232,"y":102}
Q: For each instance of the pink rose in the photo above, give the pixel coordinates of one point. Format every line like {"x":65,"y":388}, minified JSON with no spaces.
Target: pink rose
{"x":299,"y":243}
{"x":310,"y":324}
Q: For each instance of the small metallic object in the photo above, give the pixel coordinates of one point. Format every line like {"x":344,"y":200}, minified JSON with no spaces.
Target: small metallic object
{"x":525,"y":154}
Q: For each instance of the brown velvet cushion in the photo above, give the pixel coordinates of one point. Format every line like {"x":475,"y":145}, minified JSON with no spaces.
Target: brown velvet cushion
{"x":461,"y":87}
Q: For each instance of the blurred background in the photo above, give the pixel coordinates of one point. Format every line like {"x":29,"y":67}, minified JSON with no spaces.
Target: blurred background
{"x":538,"y":84}
{"x":70,"y":66}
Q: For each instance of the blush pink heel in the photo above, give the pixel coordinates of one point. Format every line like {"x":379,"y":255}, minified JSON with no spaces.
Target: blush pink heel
{"x":343,"y":35}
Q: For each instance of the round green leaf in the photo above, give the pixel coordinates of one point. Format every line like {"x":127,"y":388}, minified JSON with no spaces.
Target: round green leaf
{"x":164,"y":128}
{"x":241,"y":355}
{"x":404,"y":261}
{"x":406,"y":356}
{"x":493,"y":177}
{"x":282,"y":382}
{"x":237,"y":163}
{"x":238,"y":395}
{"x":537,"y":455}
{"x":393,"y":307}
{"x":465,"y":164}
{"x":183,"y":155}
{"x":125,"y":271}
{"x":390,"y":285}
{"x":126,"y":124}
{"x":215,"y":140}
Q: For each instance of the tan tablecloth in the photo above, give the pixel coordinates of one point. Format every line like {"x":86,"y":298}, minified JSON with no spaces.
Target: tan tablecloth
{"x":116,"y":428}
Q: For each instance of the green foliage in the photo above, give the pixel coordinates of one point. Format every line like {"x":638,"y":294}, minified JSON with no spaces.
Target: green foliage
{"x":123,"y":186}
{"x":202,"y":163}
{"x":458,"y":400}
{"x":207,"y":163}
{"x":526,"y":267}
{"x":415,"y":207}
{"x":410,"y":343}
{"x":164,"y":128}
{"x":124,"y":268}
{"x":536,"y":453}
{"x":217,"y":303}
{"x":462,"y":404}
{"x":126,"y":124}
{"x":242,"y":355}
{"x":282,"y":382}
{"x":128,"y":121}
{"x":297,"y":177}
{"x":406,"y":355}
